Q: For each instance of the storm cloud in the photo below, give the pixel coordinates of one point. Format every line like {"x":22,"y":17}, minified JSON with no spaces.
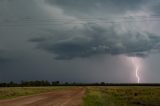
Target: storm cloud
{"x":83,"y":41}
{"x":95,"y":40}
{"x":5,"y":57}
{"x":94,"y":7}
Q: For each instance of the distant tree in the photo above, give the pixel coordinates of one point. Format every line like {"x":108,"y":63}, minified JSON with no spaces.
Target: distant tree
{"x":102,"y":84}
{"x":55,"y":83}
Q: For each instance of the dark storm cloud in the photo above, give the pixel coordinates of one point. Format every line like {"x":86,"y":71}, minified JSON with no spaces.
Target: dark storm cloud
{"x":38,"y":39}
{"x":19,"y":9}
{"x":4,"y":60}
{"x":5,"y":56}
{"x":95,"y":40}
{"x":156,"y":7}
{"x":94,"y":7}
{"x":33,"y":34}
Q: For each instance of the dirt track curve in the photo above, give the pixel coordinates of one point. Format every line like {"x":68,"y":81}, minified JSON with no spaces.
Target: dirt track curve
{"x":72,"y":97}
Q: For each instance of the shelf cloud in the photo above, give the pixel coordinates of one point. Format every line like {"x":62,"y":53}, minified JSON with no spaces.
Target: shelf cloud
{"x":95,"y":40}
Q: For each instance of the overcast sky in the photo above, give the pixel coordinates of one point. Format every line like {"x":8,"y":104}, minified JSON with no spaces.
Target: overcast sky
{"x":80,"y":40}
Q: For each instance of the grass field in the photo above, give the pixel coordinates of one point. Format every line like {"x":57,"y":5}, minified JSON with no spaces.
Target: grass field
{"x":12,"y":92}
{"x":122,"y":96}
{"x":98,"y":96}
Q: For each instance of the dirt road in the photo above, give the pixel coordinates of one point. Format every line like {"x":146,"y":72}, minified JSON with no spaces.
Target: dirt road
{"x":72,"y":97}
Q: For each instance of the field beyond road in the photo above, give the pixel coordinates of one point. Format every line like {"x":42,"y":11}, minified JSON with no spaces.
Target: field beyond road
{"x":123,"y":96}
{"x":81,"y":96}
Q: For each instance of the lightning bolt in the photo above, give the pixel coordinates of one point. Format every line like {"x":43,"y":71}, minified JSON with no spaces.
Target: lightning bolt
{"x":136,"y":69}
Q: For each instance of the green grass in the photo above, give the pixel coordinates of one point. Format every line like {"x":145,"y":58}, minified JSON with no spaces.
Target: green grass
{"x":122,"y":96}
{"x":12,"y":92}
{"x":97,"y":96}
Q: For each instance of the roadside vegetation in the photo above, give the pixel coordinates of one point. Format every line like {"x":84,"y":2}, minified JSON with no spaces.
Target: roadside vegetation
{"x":96,"y":94}
{"x":122,"y":96}
{"x":12,"y":92}
{"x":38,"y":83}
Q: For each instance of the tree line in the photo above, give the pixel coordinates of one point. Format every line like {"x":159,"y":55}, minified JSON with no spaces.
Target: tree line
{"x":58,"y":83}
